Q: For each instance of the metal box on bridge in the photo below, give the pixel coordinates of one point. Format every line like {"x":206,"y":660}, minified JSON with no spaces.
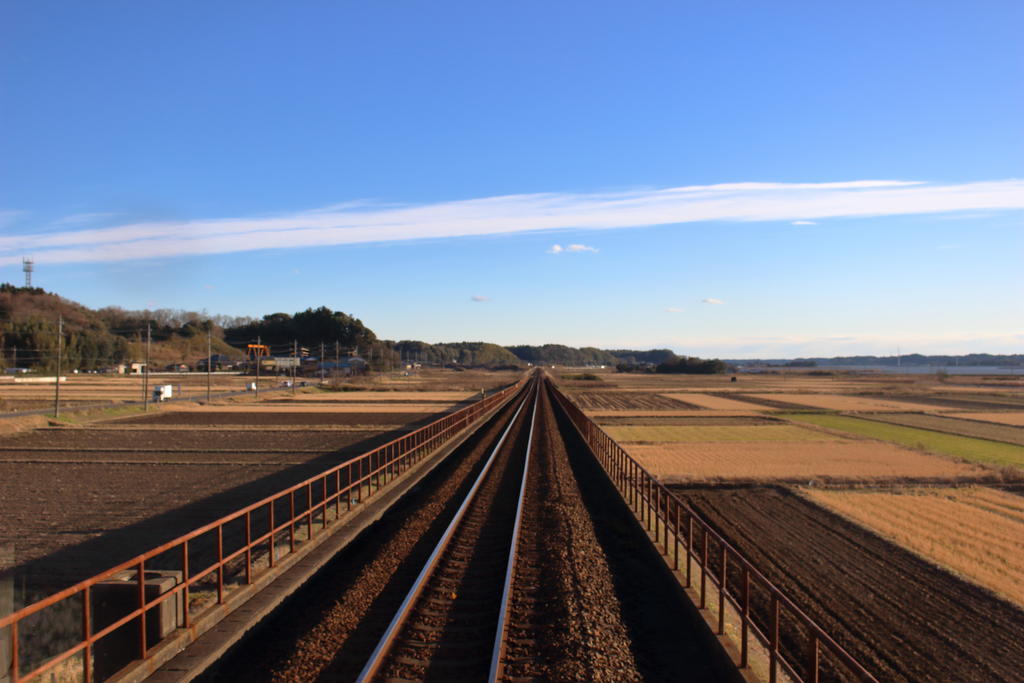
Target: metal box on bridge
{"x":114,"y":598}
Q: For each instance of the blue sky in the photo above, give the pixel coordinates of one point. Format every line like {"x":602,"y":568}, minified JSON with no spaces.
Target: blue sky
{"x":738,"y":179}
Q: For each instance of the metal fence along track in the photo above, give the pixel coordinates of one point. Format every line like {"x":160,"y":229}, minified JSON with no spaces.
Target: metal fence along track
{"x":685,"y":537}
{"x":212,"y":561}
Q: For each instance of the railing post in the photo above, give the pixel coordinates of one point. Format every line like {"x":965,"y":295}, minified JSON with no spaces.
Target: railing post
{"x":704,"y":569}
{"x":220,"y":564}
{"x":87,"y":631}
{"x":723,"y":580}
{"x":745,"y":617}
{"x":813,"y":663}
{"x":337,"y":494}
{"x":675,"y":537}
{"x":15,"y":664}
{"x":140,"y":579}
{"x":773,"y":655}
{"x":291,"y":521}
{"x":309,"y":511}
{"x":689,"y":549}
{"x":270,"y":540}
{"x":185,"y":579}
{"x":248,"y":547}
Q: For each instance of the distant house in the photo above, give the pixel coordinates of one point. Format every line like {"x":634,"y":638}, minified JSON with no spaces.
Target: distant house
{"x":352,"y":365}
{"x":218,"y":362}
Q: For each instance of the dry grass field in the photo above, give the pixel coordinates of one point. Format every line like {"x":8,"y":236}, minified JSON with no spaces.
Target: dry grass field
{"x":699,"y":412}
{"x":846,"y":403}
{"x":717,"y":402}
{"x":1015,"y":419}
{"x":843,"y":461}
{"x":977,"y":532}
{"x":712,"y":433}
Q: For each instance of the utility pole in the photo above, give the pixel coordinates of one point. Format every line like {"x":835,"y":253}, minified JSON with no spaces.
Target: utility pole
{"x":145,"y":369}
{"x":295,"y":362}
{"x":321,"y":362}
{"x":60,"y":353}
{"x":209,"y":359}
{"x":258,"y":351}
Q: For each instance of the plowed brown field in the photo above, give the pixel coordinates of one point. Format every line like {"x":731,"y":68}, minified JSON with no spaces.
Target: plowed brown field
{"x":717,"y":402}
{"x":627,"y":400}
{"x":900,"y":616}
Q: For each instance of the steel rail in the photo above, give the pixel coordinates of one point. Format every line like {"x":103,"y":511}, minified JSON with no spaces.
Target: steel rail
{"x":500,"y":635}
{"x":380,"y":652}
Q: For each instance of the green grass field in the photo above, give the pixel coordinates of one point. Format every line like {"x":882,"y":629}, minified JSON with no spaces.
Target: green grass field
{"x":714,"y":433}
{"x":965,"y":447}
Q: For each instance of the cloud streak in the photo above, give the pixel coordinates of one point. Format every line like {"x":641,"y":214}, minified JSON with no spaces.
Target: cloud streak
{"x":360,"y":222}
{"x":712,"y":300}
{"x":571,"y":249}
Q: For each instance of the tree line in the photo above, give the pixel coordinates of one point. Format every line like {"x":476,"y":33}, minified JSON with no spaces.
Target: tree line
{"x":96,"y":339}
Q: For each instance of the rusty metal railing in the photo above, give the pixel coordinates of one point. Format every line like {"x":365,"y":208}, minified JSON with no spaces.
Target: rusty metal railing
{"x":215,"y":559}
{"x":761,"y":608}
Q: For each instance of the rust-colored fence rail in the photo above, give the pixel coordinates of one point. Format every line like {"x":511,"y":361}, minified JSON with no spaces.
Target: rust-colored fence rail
{"x":794,"y":643}
{"x":68,"y":636}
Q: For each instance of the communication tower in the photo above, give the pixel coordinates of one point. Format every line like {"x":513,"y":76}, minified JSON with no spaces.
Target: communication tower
{"x":28,"y":265}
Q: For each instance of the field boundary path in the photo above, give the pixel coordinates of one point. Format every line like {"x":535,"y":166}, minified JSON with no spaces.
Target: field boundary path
{"x":214,"y":571}
{"x":735,"y":598}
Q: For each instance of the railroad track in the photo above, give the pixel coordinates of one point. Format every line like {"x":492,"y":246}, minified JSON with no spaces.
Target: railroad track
{"x":453,"y":587}
{"x":453,"y":622}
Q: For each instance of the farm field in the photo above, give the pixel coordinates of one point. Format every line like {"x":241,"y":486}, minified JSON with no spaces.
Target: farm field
{"x":101,"y":389}
{"x":952,"y":425}
{"x":600,"y":415}
{"x":795,"y":462}
{"x":967,"y":448}
{"x":371,"y":396}
{"x":716,"y":402}
{"x":1015,"y":419}
{"x":632,"y":400}
{"x":845,"y":403}
{"x":976,"y":532}
{"x":78,"y":499}
{"x":901,"y":616}
{"x":715,"y":433}
{"x":314,"y":416}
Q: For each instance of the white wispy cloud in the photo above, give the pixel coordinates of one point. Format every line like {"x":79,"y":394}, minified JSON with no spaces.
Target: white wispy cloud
{"x":477,"y":297}
{"x":571,"y":248}
{"x":673,"y":309}
{"x":804,"y":223}
{"x":712,"y":300}
{"x":362,"y":222}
